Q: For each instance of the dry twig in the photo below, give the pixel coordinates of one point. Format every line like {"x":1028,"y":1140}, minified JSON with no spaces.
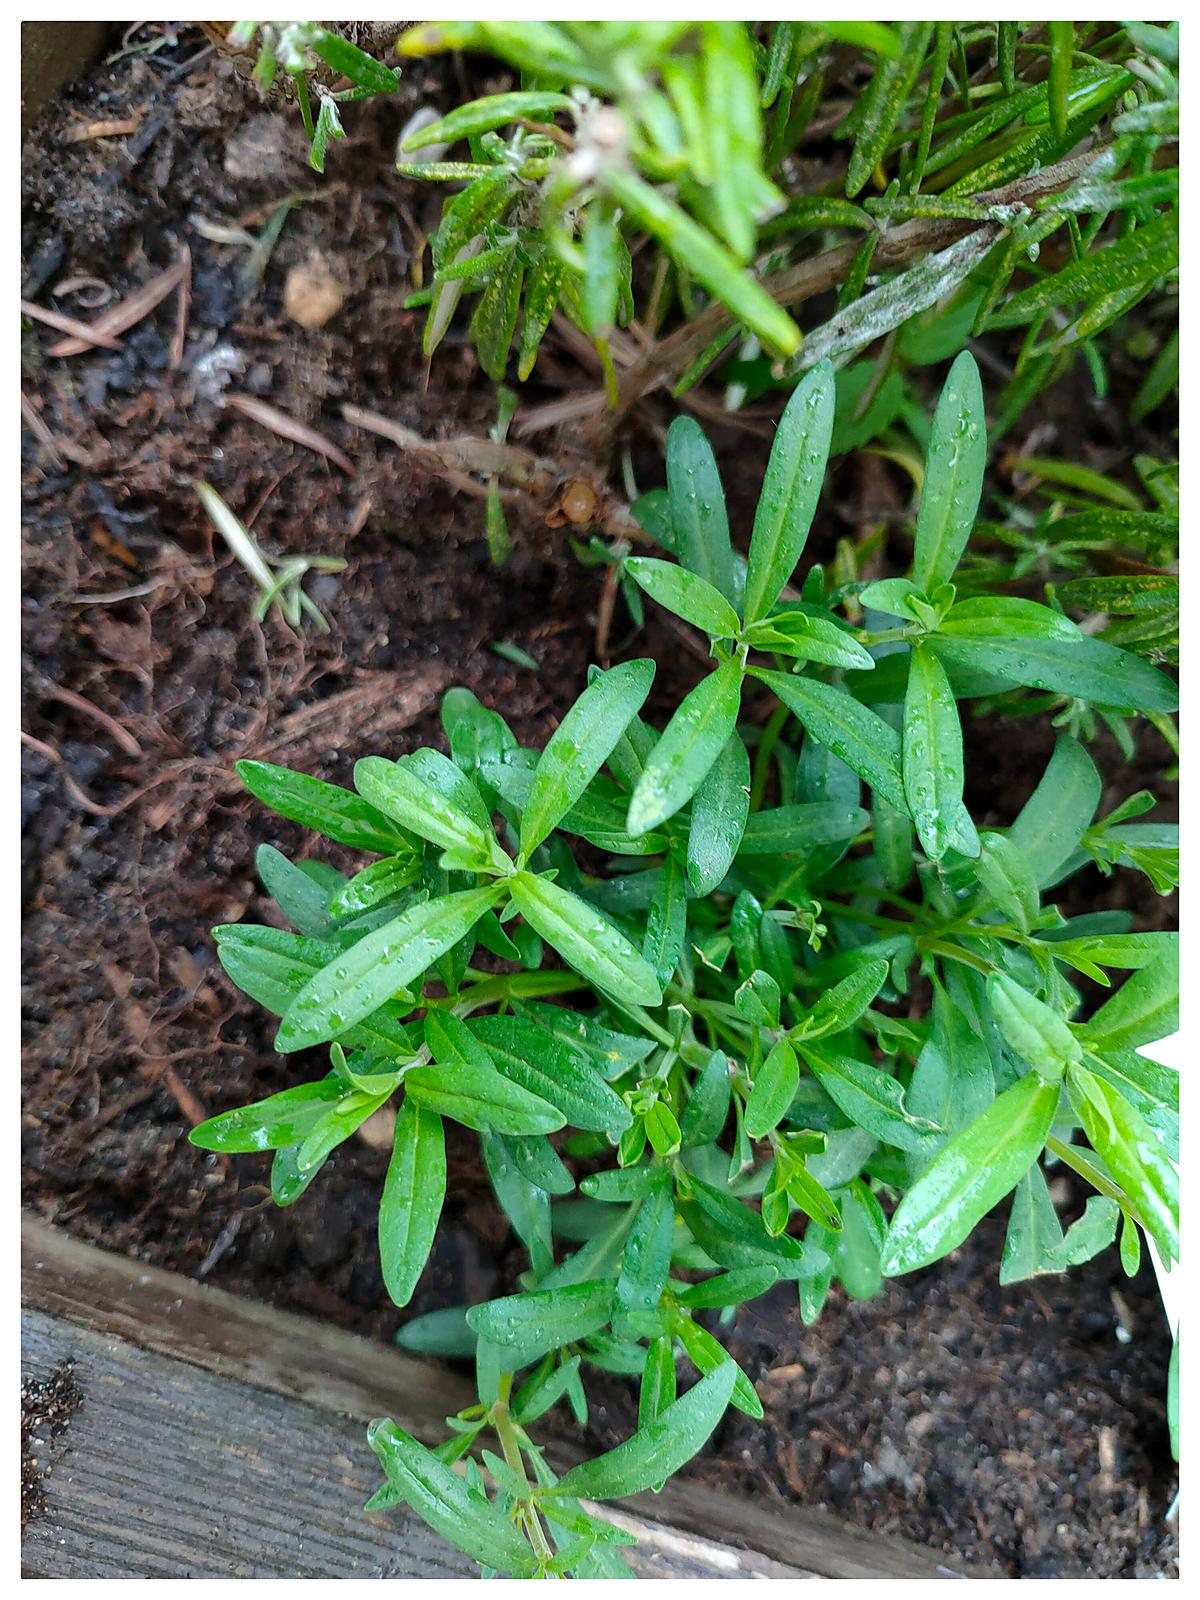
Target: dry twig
{"x":126,"y":313}
{"x":290,"y":428}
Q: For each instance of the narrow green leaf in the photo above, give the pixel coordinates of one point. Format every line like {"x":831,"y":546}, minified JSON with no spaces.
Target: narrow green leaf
{"x":302,"y":900}
{"x":549,"y":1068}
{"x":857,"y":1253}
{"x":1086,"y":669}
{"x":442,"y":1499}
{"x":413,"y":1192}
{"x":707,"y":1354}
{"x":647,"y":1257}
{"x":480,"y":1097}
{"x":657,"y":1389}
{"x":775,"y":1085}
{"x":281,"y":1120}
{"x":493,"y":111}
{"x":1056,"y":816}
{"x":1144,"y":1009}
{"x":466,"y":1085}
{"x":354,"y":63}
{"x":733,"y":127}
{"x":580,"y":745}
{"x":1138,"y":258}
{"x":812,"y":1197}
{"x":687,"y":748}
{"x":854,"y":733}
{"x":727,"y":1288}
{"x":1035,"y":1033}
{"x":585,"y":939}
{"x":272,"y":966}
{"x":841,"y":1006}
{"x":543,"y":287}
{"x":1001,"y":617}
{"x":696,"y":508}
{"x":327,"y":809}
{"x":494,"y":320}
{"x":526,"y":1326}
{"x":971,"y":1175}
{"x":733,"y":1234}
{"x":526,"y":1206}
{"x":790,"y":491}
{"x":782,"y":830}
{"x":709,"y":262}
{"x":872,"y":1099}
{"x":933,"y":757}
{"x":666,"y":921}
{"x":884,"y":101}
{"x":659,"y":1449}
{"x":357,"y":981}
{"x":708,"y":1103}
{"x":1131,"y":1151}
{"x":720,"y":807}
{"x":806,"y":637}
{"x":954,"y":467}
{"x":685,"y":594}
{"x":439,"y":1333}
{"x":1035,"y":1244}
{"x":1007,"y":879}
{"x":376,"y":884}
{"x":401,"y":791}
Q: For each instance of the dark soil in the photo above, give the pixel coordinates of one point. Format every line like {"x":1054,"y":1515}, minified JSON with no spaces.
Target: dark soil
{"x":1021,"y":1427}
{"x":47,"y":1406}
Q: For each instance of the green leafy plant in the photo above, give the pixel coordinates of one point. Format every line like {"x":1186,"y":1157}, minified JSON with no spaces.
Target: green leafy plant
{"x":809,"y":1024}
{"x":1001,"y":176}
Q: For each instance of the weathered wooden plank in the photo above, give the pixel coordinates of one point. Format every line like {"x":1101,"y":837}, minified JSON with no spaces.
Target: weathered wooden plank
{"x":180,"y":1368}
{"x":169,"y":1471}
{"x":52,"y":55}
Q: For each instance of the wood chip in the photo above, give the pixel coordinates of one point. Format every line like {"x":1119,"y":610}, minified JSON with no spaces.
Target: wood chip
{"x":126,"y":313}
{"x":290,"y":428}
{"x":379,"y":1130}
{"x":184,"y":306}
{"x":1106,"y":1449}
{"x":111,"y":129}
{"x":311,"y":293}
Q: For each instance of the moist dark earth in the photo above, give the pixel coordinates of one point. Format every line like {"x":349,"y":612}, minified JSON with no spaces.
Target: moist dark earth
{"x":1019,"y":1428}
{"x":47,"y":1406}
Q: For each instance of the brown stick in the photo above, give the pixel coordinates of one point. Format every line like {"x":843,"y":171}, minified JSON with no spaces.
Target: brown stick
{"x":126,"y":313}
{"x":88,"y":333}
{"x":122,"y":735}
{"x":290,"y":428}
{"x":898,"y":247}
{"x":183,"y":309}
{"x":37,"y":426}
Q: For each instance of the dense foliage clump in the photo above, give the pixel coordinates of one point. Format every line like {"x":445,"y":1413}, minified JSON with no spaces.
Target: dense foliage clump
{"x":809,"y":1022}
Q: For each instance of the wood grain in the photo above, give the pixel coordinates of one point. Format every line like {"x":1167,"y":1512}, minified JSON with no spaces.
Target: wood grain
{"x":222,"y":1438}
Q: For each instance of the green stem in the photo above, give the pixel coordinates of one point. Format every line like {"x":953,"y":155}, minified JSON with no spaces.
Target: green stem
{"x":762,"y":756}
{"x":507,"y":986}
{"x":301,"y":83}
{"x":1078,"y":1162}
{"x":949,"y":952}
{"x":511,"y":1446}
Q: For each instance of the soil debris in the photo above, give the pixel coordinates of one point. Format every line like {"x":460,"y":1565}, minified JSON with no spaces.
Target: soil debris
{"x":47,"y":1406}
